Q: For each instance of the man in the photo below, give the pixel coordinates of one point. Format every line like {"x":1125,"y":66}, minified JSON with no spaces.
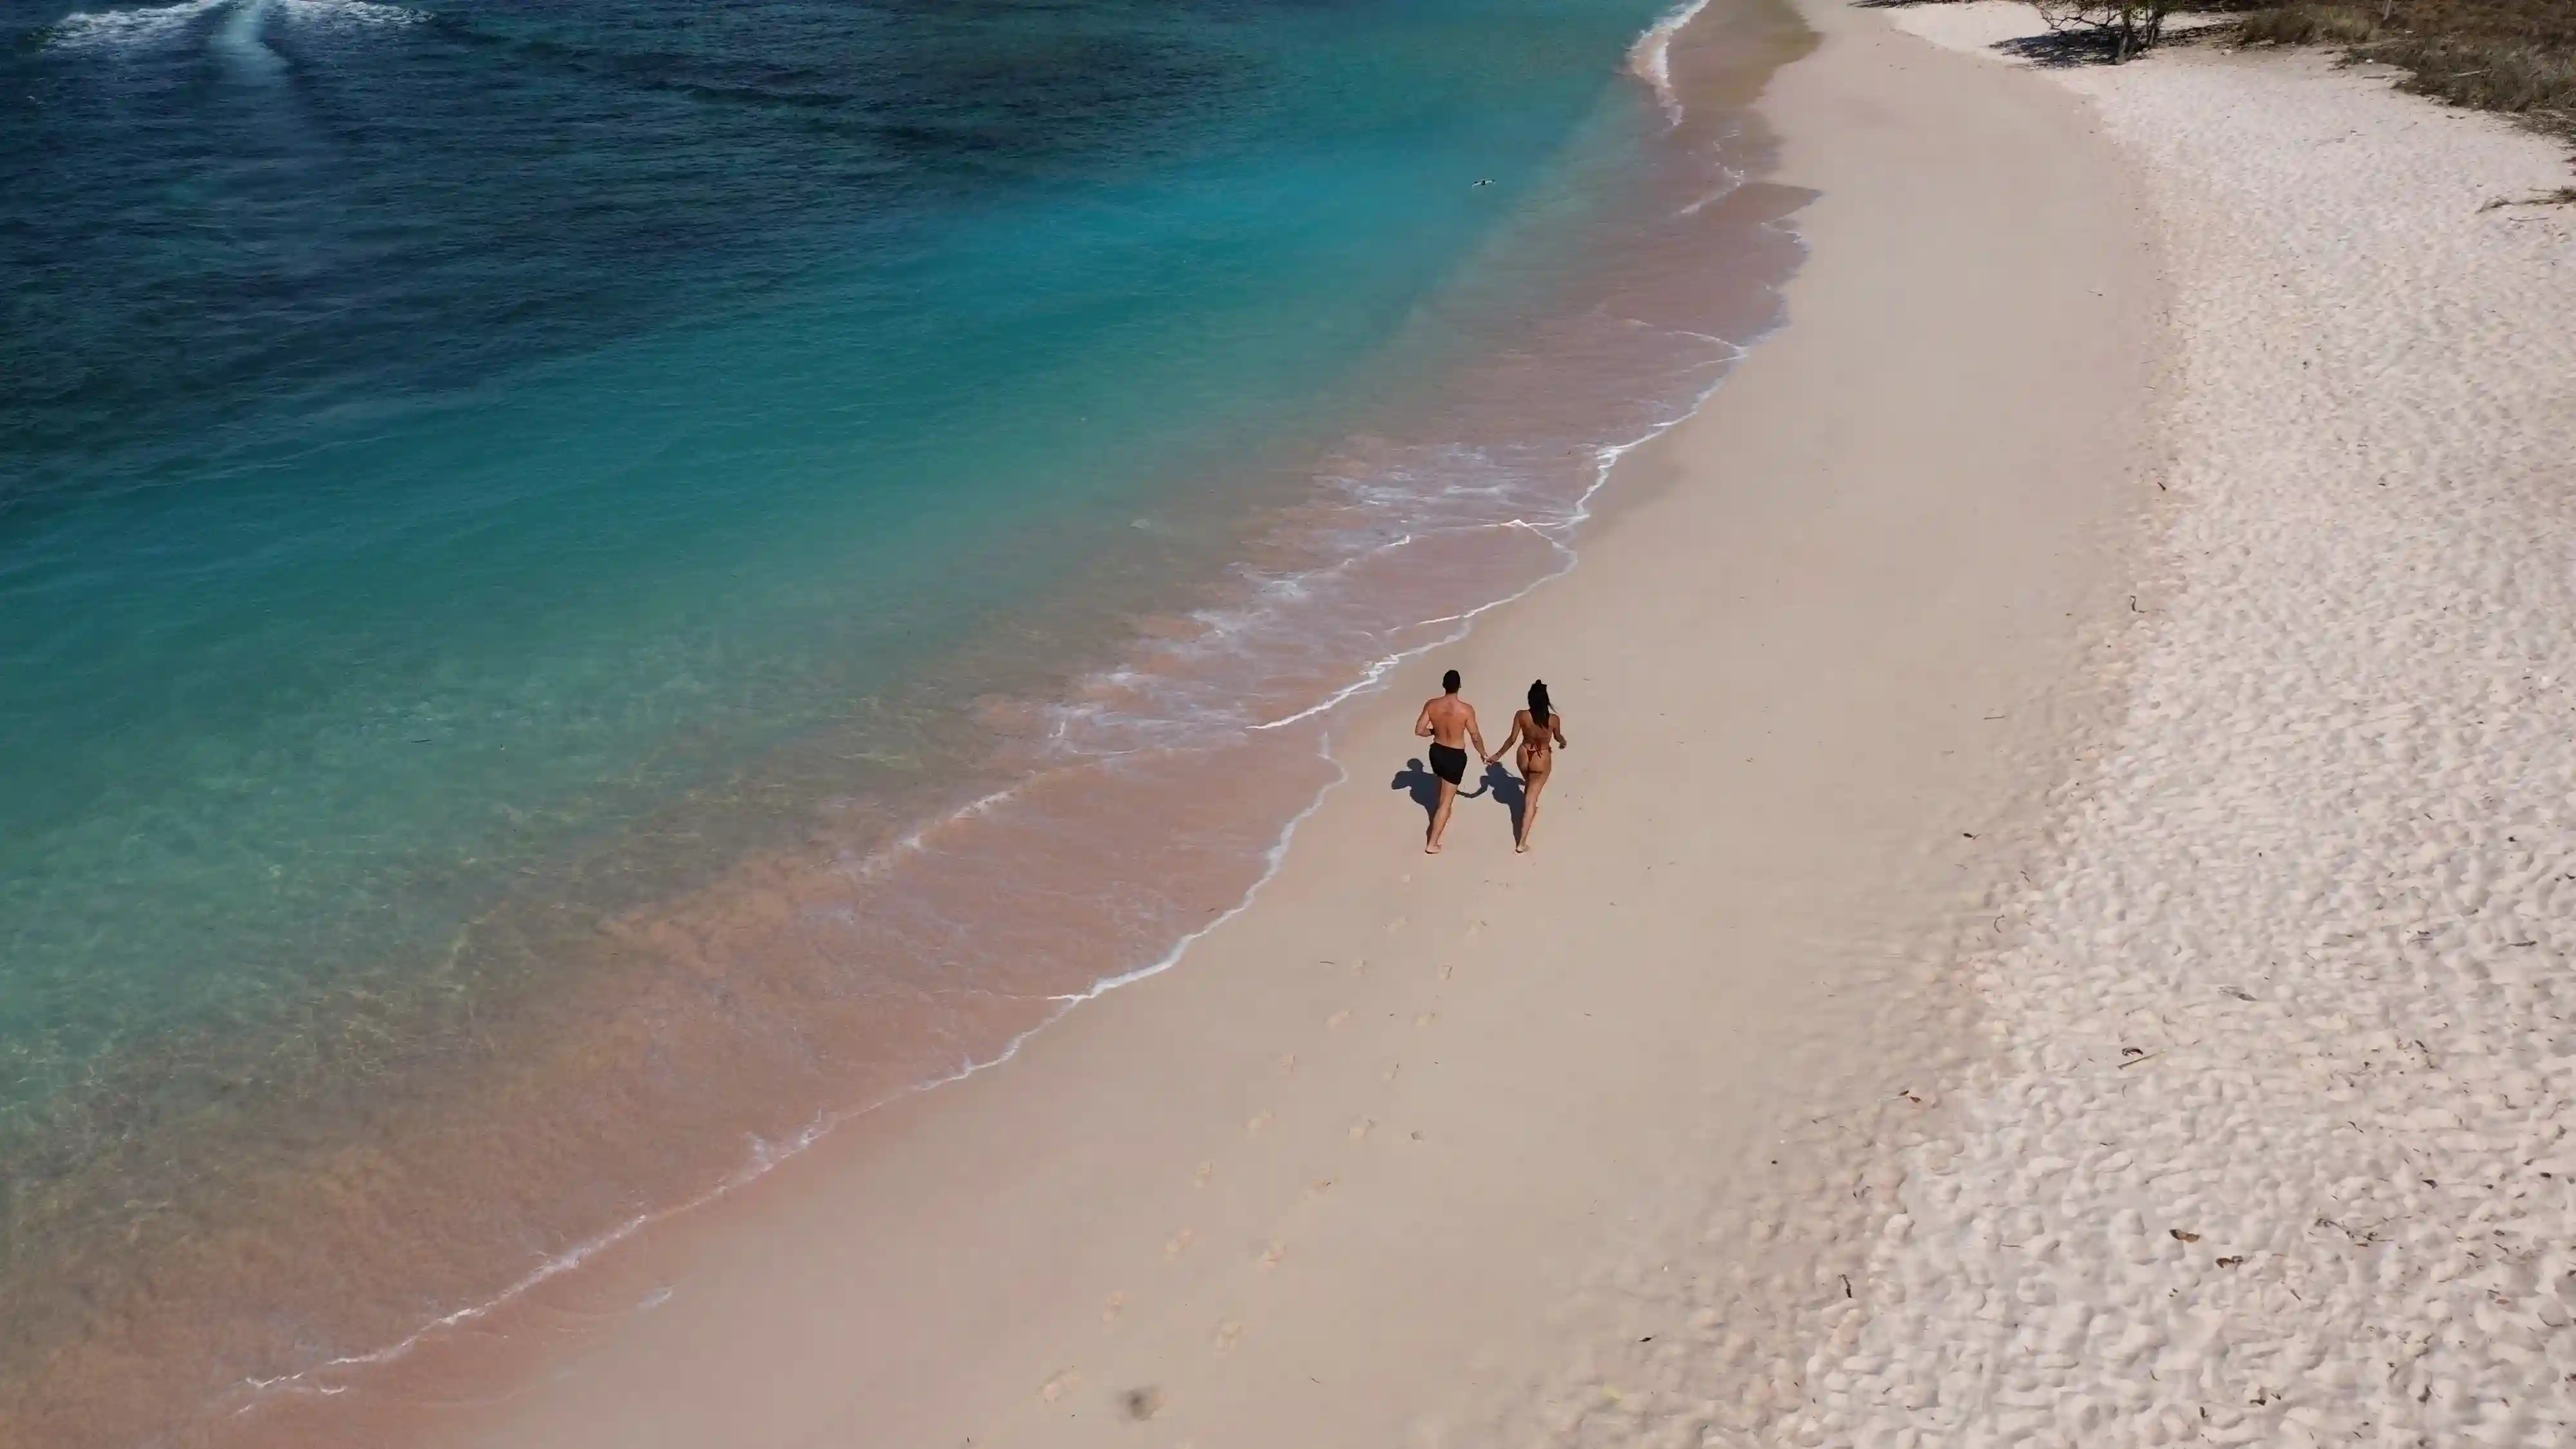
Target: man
{"x":1449,"y":723}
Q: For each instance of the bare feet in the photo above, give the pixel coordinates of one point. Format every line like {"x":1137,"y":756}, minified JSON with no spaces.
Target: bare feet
{"x":1430,"y":849}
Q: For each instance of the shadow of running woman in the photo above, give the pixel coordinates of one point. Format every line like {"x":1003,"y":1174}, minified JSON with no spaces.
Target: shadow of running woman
{"x":1506,"y":788}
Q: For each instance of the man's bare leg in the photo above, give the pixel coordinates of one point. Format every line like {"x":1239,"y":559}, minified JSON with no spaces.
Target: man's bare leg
{"x":1440,"y":818}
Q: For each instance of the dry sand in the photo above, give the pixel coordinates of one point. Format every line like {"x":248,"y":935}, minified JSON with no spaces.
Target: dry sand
{"x":1958,"y":886}
{"x":2275,"y":1148}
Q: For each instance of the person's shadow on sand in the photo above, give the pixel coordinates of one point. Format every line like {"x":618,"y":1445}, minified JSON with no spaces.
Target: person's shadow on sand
{"x":1505,"y":787}
{"x":1424,"y":785}
{"x":1417,"y":779}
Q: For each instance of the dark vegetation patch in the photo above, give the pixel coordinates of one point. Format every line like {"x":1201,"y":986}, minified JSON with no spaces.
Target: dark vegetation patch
{"x":2514,"y":56}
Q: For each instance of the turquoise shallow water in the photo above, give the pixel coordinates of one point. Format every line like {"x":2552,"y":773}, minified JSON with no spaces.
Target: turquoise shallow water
{"x":476,"y":464}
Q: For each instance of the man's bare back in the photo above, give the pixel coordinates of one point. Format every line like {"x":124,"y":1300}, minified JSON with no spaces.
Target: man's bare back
{"x":1449,"y":718}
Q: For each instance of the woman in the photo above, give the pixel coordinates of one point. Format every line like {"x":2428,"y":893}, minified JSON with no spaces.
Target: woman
{"x":1540,"y":731}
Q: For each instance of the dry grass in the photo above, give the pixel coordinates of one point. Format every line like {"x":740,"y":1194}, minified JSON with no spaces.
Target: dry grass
{"x":2515,"y":56}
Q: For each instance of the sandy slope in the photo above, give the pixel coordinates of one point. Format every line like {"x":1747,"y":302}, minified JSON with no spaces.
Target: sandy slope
{"x":2276,"y":1151}
{"x":1570,"y":1147}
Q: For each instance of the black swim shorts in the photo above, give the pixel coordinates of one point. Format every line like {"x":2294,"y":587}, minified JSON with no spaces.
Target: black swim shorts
{"x":1449,"y":763}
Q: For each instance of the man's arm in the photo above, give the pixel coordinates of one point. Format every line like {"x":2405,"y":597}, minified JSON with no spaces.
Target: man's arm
{"x":1422,"y":721}
{"x":1476,"y":735}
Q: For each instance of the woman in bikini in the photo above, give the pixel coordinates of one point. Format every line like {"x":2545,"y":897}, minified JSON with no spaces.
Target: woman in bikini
{"x":1540,"y":732}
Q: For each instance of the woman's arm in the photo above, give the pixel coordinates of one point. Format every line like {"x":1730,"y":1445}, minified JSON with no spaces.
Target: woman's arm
{"x":1506,"y":745}
{"x":1556,"y":726}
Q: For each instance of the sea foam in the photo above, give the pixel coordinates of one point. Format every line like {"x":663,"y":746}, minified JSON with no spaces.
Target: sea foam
{"x":120,"y":29}
{"x":150,"y":26}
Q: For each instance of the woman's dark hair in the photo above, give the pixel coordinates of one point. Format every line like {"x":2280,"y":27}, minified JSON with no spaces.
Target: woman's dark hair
{"x":1538,"y":700}
{"x":1449,"y":681}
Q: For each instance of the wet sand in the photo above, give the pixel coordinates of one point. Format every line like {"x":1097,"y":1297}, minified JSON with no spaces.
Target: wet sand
{"x":1418,"y":1150}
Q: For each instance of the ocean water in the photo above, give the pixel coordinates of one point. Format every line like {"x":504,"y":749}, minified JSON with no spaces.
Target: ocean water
{"x":588,"y":589}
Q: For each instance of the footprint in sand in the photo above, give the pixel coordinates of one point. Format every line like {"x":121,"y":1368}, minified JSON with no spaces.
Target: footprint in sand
{"x":1337,"y":1018}
{"x":1445,"y":970}
{"x":1178,"y":1244}
{"x":1253,"y":1127}
{"x":1395,"y":925}
{"x":1426,"y":1018}
{"x":1065,"y":1381}
{"x":1226,"y":1336}
{"x":1270,"y":1256}
{"x":1474,"y":929}
{"x":1394,"y":1071}
{"x":1288,"y":1065}
{"x":1360,"y":1128}
{"x":1109,"y":1311}
{"x":1200,"y":1177}
{"x":1321,"y":1186}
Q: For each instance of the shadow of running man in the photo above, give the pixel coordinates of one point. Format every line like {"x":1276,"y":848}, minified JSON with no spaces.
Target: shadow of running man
{"x":1416,"y":779}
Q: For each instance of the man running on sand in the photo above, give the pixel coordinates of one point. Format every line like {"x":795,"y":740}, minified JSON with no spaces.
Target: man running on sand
{"x":1449,"y":723}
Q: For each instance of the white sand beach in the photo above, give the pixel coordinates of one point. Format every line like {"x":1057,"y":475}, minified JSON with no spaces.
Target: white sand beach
{"x":2049,"y":931}
{"x":2274,"y":1149}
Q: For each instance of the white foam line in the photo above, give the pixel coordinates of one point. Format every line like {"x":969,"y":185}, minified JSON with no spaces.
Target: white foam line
{"x":1734,"y":184}
{"x":85,"y":30}
{"x":1606,"y":457}
{"x":1368,"y":677}
{"x":1377,"y":672}
{"x":918,"y":840}
{"x":1651,"y":57}
{"x":350,"y":14}
{"x":764,"y":1157}
{"x":1276,"y":857}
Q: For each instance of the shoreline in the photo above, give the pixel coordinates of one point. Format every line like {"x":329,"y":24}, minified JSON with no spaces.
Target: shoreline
{"x":1076,"y":1147}
{"x":680,"y":952}
{"x":1719,"y":98}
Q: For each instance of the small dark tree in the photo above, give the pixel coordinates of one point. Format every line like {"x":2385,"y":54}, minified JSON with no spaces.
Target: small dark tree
{"x":2123,"y":27}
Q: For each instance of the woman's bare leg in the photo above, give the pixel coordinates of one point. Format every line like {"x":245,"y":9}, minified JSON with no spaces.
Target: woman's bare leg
{"x":1530,"y":786}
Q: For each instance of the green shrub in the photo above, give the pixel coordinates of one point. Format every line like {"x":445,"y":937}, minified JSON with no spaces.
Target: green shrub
{"x":2121,"y":27}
